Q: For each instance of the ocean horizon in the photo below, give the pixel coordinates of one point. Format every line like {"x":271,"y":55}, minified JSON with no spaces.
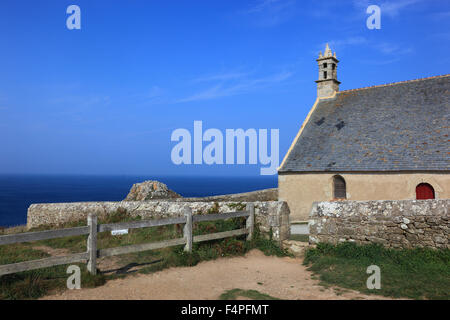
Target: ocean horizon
{"x":19,"y":191}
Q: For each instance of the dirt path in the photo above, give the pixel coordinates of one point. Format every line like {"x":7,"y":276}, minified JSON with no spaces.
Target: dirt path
{"x":284,"y":278}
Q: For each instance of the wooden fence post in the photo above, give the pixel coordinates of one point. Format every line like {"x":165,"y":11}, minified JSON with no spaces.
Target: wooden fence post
{"x":92,"y":244}
{"x":188,"y":229}
{"x":250,"y":224}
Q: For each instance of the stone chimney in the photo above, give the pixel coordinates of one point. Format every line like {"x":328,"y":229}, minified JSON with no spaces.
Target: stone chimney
{"x":327,"y":84}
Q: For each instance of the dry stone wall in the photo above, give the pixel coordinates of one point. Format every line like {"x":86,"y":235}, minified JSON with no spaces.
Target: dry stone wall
{"x":393,"y":223}
{"x":258,"y":195}
{"x":271,"y":216}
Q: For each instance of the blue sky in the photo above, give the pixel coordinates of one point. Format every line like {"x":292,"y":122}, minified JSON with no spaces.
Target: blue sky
{"x":105,"y":99}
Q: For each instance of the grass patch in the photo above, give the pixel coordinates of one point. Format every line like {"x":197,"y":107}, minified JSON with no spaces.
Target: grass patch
{"x":233,"y":294}
{"x":36,"y":283}
{"x":409,"y":273}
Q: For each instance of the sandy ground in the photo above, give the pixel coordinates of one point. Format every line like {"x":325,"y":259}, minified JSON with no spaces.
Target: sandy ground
{"x":284,"y":278}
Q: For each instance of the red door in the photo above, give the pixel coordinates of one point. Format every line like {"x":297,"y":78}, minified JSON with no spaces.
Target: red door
{"x":424,"y":191}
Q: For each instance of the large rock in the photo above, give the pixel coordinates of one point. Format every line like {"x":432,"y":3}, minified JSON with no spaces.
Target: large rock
{"x":150,"y":190}
{"x":297,"y":248}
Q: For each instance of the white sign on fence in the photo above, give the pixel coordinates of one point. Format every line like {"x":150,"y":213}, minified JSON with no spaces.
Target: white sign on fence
{"x":119,"y":232}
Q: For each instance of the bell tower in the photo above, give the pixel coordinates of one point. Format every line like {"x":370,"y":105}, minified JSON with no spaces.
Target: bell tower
{"x":327,"y":84}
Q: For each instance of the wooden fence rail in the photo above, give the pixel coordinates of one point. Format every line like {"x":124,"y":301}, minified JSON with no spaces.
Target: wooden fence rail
{"x":92,"y":229}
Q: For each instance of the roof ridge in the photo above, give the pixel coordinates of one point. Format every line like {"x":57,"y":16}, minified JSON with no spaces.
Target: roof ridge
{"x":394,"y":83}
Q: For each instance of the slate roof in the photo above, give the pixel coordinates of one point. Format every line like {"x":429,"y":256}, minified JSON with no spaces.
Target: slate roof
{"x":402,"y":126}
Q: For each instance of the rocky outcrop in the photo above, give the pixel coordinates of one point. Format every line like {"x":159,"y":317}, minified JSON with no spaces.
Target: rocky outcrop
{"x":392,"y":223}
{"x":155,"y":190}
{"x":150,"y":190}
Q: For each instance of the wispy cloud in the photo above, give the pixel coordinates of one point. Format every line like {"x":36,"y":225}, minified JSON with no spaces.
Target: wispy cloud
{"x":393,"y":48}
{"x":268,"y":5}
{"x":391,"y":51}
{"x":155,"y":92}
{"x":391,"y":8}
{"x":441,"y":15}
{"x":149,"y":132}
{"x":323,"y":9}
{"x":441,"y":35}
{"x":383,"y":47}
{"x":60,"y":87}
{"x":221,"y":76}
{"x":271,"y":12}
{"x":82,"y":101}
{"x":77,"y":107}
{"x":152,"y":96}
{"x":242,"y":84}
{"x":380,"y":62}
{"x":342,"y":43}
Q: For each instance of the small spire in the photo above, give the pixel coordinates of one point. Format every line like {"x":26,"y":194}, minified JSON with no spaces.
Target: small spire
{"x":327,"y":51}
{"x":327,"y":84}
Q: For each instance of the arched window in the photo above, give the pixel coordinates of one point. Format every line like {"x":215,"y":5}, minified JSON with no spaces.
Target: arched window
{"x":424,"y":191}
{"x":339,"y":188}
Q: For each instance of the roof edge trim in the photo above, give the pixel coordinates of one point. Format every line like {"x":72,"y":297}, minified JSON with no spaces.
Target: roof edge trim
{"x":394,"y":83}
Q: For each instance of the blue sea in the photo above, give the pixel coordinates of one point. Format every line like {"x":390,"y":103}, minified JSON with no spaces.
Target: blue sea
{"x":18,"y":192}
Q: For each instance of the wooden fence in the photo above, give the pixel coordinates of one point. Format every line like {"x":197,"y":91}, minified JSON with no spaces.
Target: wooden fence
{"x":93,"y":228}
